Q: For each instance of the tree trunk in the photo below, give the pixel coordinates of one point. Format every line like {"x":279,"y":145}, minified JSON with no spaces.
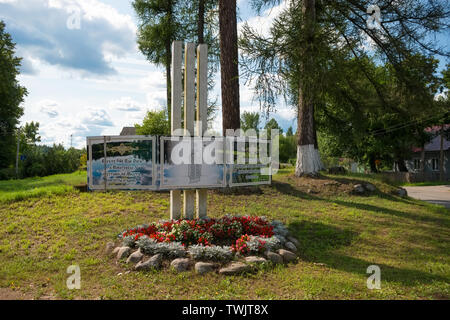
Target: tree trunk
{"x":441,"y":160}
{"x":401,"y":165}
{"x":201,"y":21}
{"x":373,"y":165}
{"x":422,"y":159}
{"x":308,"y":159}
{"x":168,"y":65}
{"x":229,"y":65}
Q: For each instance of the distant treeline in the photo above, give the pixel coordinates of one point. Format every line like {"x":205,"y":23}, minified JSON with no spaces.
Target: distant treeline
{"x":40,"y":161}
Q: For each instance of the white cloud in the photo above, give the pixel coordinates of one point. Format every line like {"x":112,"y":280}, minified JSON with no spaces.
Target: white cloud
{"x":40,"y":28}
{"x":263,"y":22}
{"x":49,"y":107}
{"x":125,"y":104}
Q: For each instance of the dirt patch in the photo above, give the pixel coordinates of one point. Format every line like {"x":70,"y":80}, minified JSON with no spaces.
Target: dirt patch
{"x":319,"y":185}
{"x":10,"y":294}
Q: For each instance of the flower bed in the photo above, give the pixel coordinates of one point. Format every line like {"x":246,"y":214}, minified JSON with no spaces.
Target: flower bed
{"x":207,"y":239}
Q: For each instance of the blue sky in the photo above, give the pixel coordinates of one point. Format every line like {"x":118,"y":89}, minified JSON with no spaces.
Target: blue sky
{"x":93,"y":80}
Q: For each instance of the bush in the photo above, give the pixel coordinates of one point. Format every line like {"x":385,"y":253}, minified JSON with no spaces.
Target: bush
{"x":7,"y":173}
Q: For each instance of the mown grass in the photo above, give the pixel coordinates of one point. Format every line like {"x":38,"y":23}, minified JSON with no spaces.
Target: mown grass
{"x":340,"y":234}
{"x":17,"y":190}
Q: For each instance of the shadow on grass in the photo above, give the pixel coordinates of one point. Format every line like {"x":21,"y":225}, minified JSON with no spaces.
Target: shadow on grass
{"x":320,"y":241}
{"x":288,"y":189}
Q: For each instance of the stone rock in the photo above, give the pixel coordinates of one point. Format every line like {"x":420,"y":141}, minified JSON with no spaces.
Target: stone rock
{"x":180,"y":264}
{"x":294,"y":241}
{"x":311,"y":191}
{"x":402,"y":192}
{"x":292,"y":247}
{"x":288,"y":256}
{"x":274,"y":257}
{"x":152,"y":263}
{"x":370,"y":187}
{"x":234,"y":268}
{"x":135,"y":257}
{"x":123,"y":252}
{"x":255,"y":259}
{"x":116,"y":250}
{"x":204,"y":267}
{"x":358,"y":188}
{"x":109,"y":248}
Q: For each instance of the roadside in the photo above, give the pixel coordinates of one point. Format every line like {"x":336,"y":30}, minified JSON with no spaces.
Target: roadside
{"x":433,"y":194}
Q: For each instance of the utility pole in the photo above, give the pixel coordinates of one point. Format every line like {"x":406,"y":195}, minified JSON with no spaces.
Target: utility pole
{"x":441,"y":160}
{"x":17,"y":157}
{"x":71,"y":136}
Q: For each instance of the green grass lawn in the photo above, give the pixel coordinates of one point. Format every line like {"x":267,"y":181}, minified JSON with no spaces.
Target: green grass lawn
{"x":15,"y":190}
{"x":340,"y":234}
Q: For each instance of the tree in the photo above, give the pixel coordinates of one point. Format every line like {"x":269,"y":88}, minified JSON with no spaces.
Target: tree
{"x":250,"y":120}
{"x":163,"y":21}
{"x":229,"y":69}
{"x":158,"y":28}
{"x":309,"y":41}
{"x":355,"y":124}
{"x":154,"y":123}
{"x":289,"y":132}
{"x":11,"y":96}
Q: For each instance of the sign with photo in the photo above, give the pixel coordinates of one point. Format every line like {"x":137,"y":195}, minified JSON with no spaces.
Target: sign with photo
{"x":169,"y":163}
{"x":122,"y":163}
{"x":184,"y":164}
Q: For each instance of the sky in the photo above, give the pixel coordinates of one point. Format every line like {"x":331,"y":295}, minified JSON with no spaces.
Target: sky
{"x":86,"y":77}
{"x":90,"y":79}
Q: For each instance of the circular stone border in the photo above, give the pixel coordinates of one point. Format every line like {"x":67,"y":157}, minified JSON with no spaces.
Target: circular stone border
{"x":170,"y":255}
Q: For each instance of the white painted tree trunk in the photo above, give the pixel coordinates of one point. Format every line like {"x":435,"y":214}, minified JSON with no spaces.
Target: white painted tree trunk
{"x":308,"y":160}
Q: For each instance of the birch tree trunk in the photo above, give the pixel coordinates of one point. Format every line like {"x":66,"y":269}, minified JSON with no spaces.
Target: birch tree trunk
{"x":308,"y":159}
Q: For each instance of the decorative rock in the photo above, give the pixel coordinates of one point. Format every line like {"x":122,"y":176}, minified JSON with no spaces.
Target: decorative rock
{"x":288,"y":256}
{"x":109,"y":248}
{"x":180,"y":264}
{"x":152,"y":263}
{"x":255,"y":259}
{"x":358,"y":188}
{"x":401,"y":192}
{"x":289,"y":245}
{"x":135,"y":257}
{"x":370,"y":187}
{"x":294,"y":241}
{"x":123,"y":253}
{"x":116,"y":250}
{"x":234,"y":268}
{"x":204,"y":267}
{"x":274,"y":257}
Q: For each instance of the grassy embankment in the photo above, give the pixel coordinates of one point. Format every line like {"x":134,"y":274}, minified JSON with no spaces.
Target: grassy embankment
{"x":341,"y":235}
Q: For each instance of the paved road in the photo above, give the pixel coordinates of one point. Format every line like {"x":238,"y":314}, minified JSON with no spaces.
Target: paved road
{"x":434,"y":194}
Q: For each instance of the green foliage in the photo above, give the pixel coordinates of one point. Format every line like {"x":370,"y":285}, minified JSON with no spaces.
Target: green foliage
{"x":43,"y":161}
{"x":250,"y":120}
{"x":154,"y":123}
{"x":378,"y":120}
{"x":11,"y":96}
{"x":163,"y":21}
{"x":288,"y":148}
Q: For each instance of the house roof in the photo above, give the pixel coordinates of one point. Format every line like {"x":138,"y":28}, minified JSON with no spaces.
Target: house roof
{"x":435,"y":143}
{"x":128,"y":131}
